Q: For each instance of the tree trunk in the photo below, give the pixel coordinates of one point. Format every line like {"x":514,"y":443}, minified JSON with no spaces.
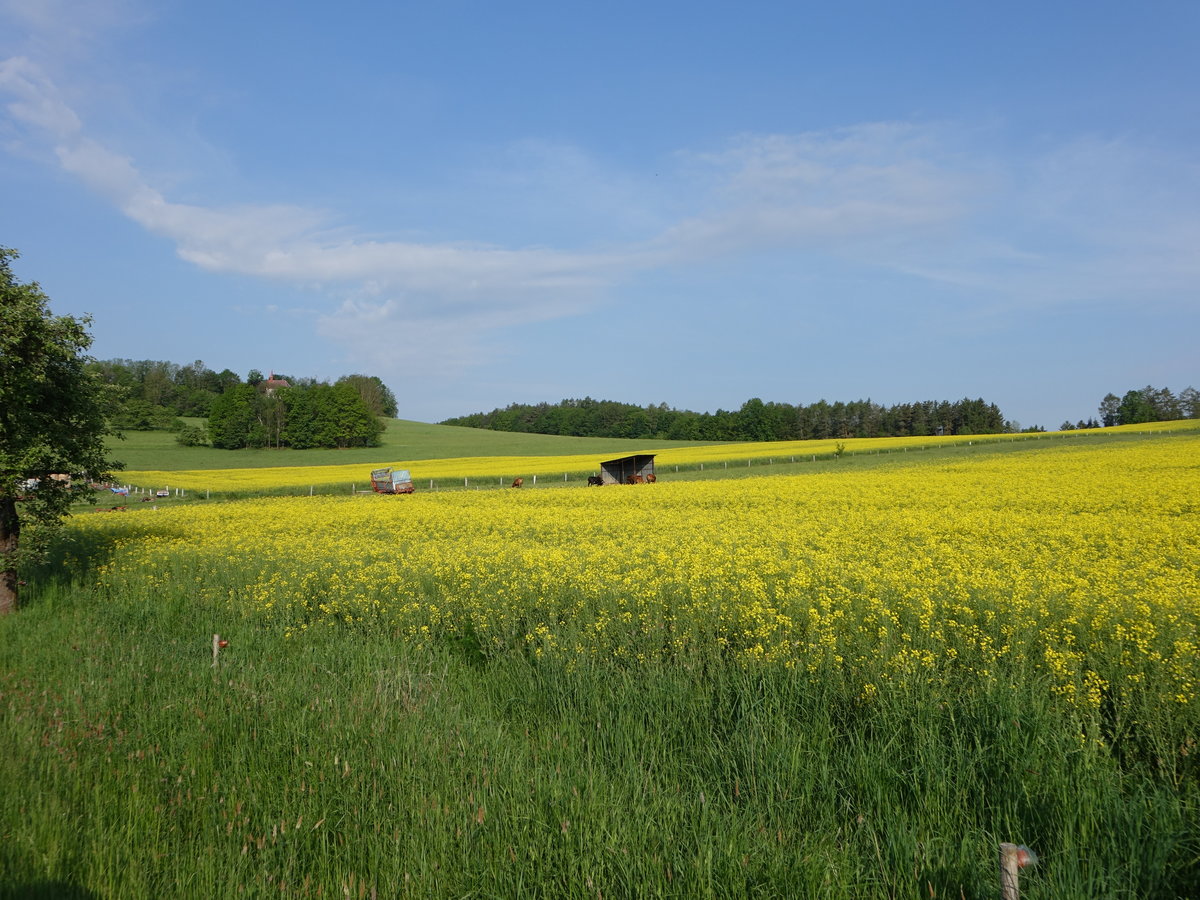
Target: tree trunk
{"x":10,"y":533}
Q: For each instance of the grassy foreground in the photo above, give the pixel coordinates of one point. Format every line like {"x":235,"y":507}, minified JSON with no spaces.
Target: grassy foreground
{"x":337,"y":766}
{"x":854,"y":684}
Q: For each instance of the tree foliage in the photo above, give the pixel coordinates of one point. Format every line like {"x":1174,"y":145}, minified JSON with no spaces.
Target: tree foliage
{"x":302,"y":417}
{"x":1149,"y":404}
{"x":52,"y":422}
{"x":192,"y":436}
{"x":156,"y":393}
{"x":374,"y":393}
{"x":756,"y":420}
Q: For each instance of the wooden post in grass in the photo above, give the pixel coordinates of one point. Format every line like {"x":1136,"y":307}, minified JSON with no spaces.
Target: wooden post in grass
{"x":219,"y":644}
{"x":1013,"y":858}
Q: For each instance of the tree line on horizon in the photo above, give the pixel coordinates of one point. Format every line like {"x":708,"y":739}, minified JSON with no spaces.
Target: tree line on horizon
{"x":754,"y":421}
{"x":306,"y":413}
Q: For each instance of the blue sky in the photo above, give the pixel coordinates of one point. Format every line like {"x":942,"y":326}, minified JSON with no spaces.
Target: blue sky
{"x":690,"y":203}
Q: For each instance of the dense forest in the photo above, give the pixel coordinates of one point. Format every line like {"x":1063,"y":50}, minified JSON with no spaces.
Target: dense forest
{"x":754,"y":421}
{"x":278,"y":411}
{"x":759,"y":421}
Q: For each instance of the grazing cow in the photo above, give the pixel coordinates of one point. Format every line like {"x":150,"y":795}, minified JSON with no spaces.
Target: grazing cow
{"x":517,"y":482}
{"x":594,"y":479}
{"x":651,"y":478}
{"x":636,"y":479}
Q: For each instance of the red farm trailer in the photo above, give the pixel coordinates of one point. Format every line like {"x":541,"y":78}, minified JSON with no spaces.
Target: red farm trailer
{"x":392,"y":481}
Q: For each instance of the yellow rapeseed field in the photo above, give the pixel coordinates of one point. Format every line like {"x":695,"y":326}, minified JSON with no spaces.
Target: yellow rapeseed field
{"x":1079,"y":564}
{"x":501,"y":469}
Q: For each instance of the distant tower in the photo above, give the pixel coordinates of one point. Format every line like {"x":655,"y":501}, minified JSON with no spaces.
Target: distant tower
{"x":272,"y":384}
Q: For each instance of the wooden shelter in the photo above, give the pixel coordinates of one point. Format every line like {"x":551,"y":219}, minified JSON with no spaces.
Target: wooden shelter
{"x":625,"y":469}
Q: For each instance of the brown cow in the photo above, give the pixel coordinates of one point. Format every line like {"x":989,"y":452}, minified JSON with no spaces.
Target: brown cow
{"x":517,"y":482}
{"x":651,"y":478}
{"x":636,"y":479}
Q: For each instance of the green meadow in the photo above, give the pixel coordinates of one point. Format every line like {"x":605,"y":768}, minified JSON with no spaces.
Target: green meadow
{"x":402,"y":440}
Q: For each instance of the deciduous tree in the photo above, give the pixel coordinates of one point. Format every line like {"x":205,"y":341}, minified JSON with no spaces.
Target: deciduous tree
{"x":377,"y":396}
{"x":1110,"y":407}
{"x":52,"y":423}
{"x":1189,"y":403}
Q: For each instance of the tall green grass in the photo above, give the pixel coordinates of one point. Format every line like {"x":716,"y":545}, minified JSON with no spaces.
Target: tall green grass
{"x":346,"y":763}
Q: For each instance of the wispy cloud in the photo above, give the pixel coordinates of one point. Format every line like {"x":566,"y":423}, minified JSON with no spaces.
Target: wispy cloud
{"x":36,"y":100}
{"x":839,"y":190}
{"x":284,"y":241}
{"x":60,"y":33}
{"x":413,"y":343}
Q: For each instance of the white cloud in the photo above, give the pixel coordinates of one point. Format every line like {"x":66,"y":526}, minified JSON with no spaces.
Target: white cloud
{"x":290,"y":242}
{"x":37,"y":100}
